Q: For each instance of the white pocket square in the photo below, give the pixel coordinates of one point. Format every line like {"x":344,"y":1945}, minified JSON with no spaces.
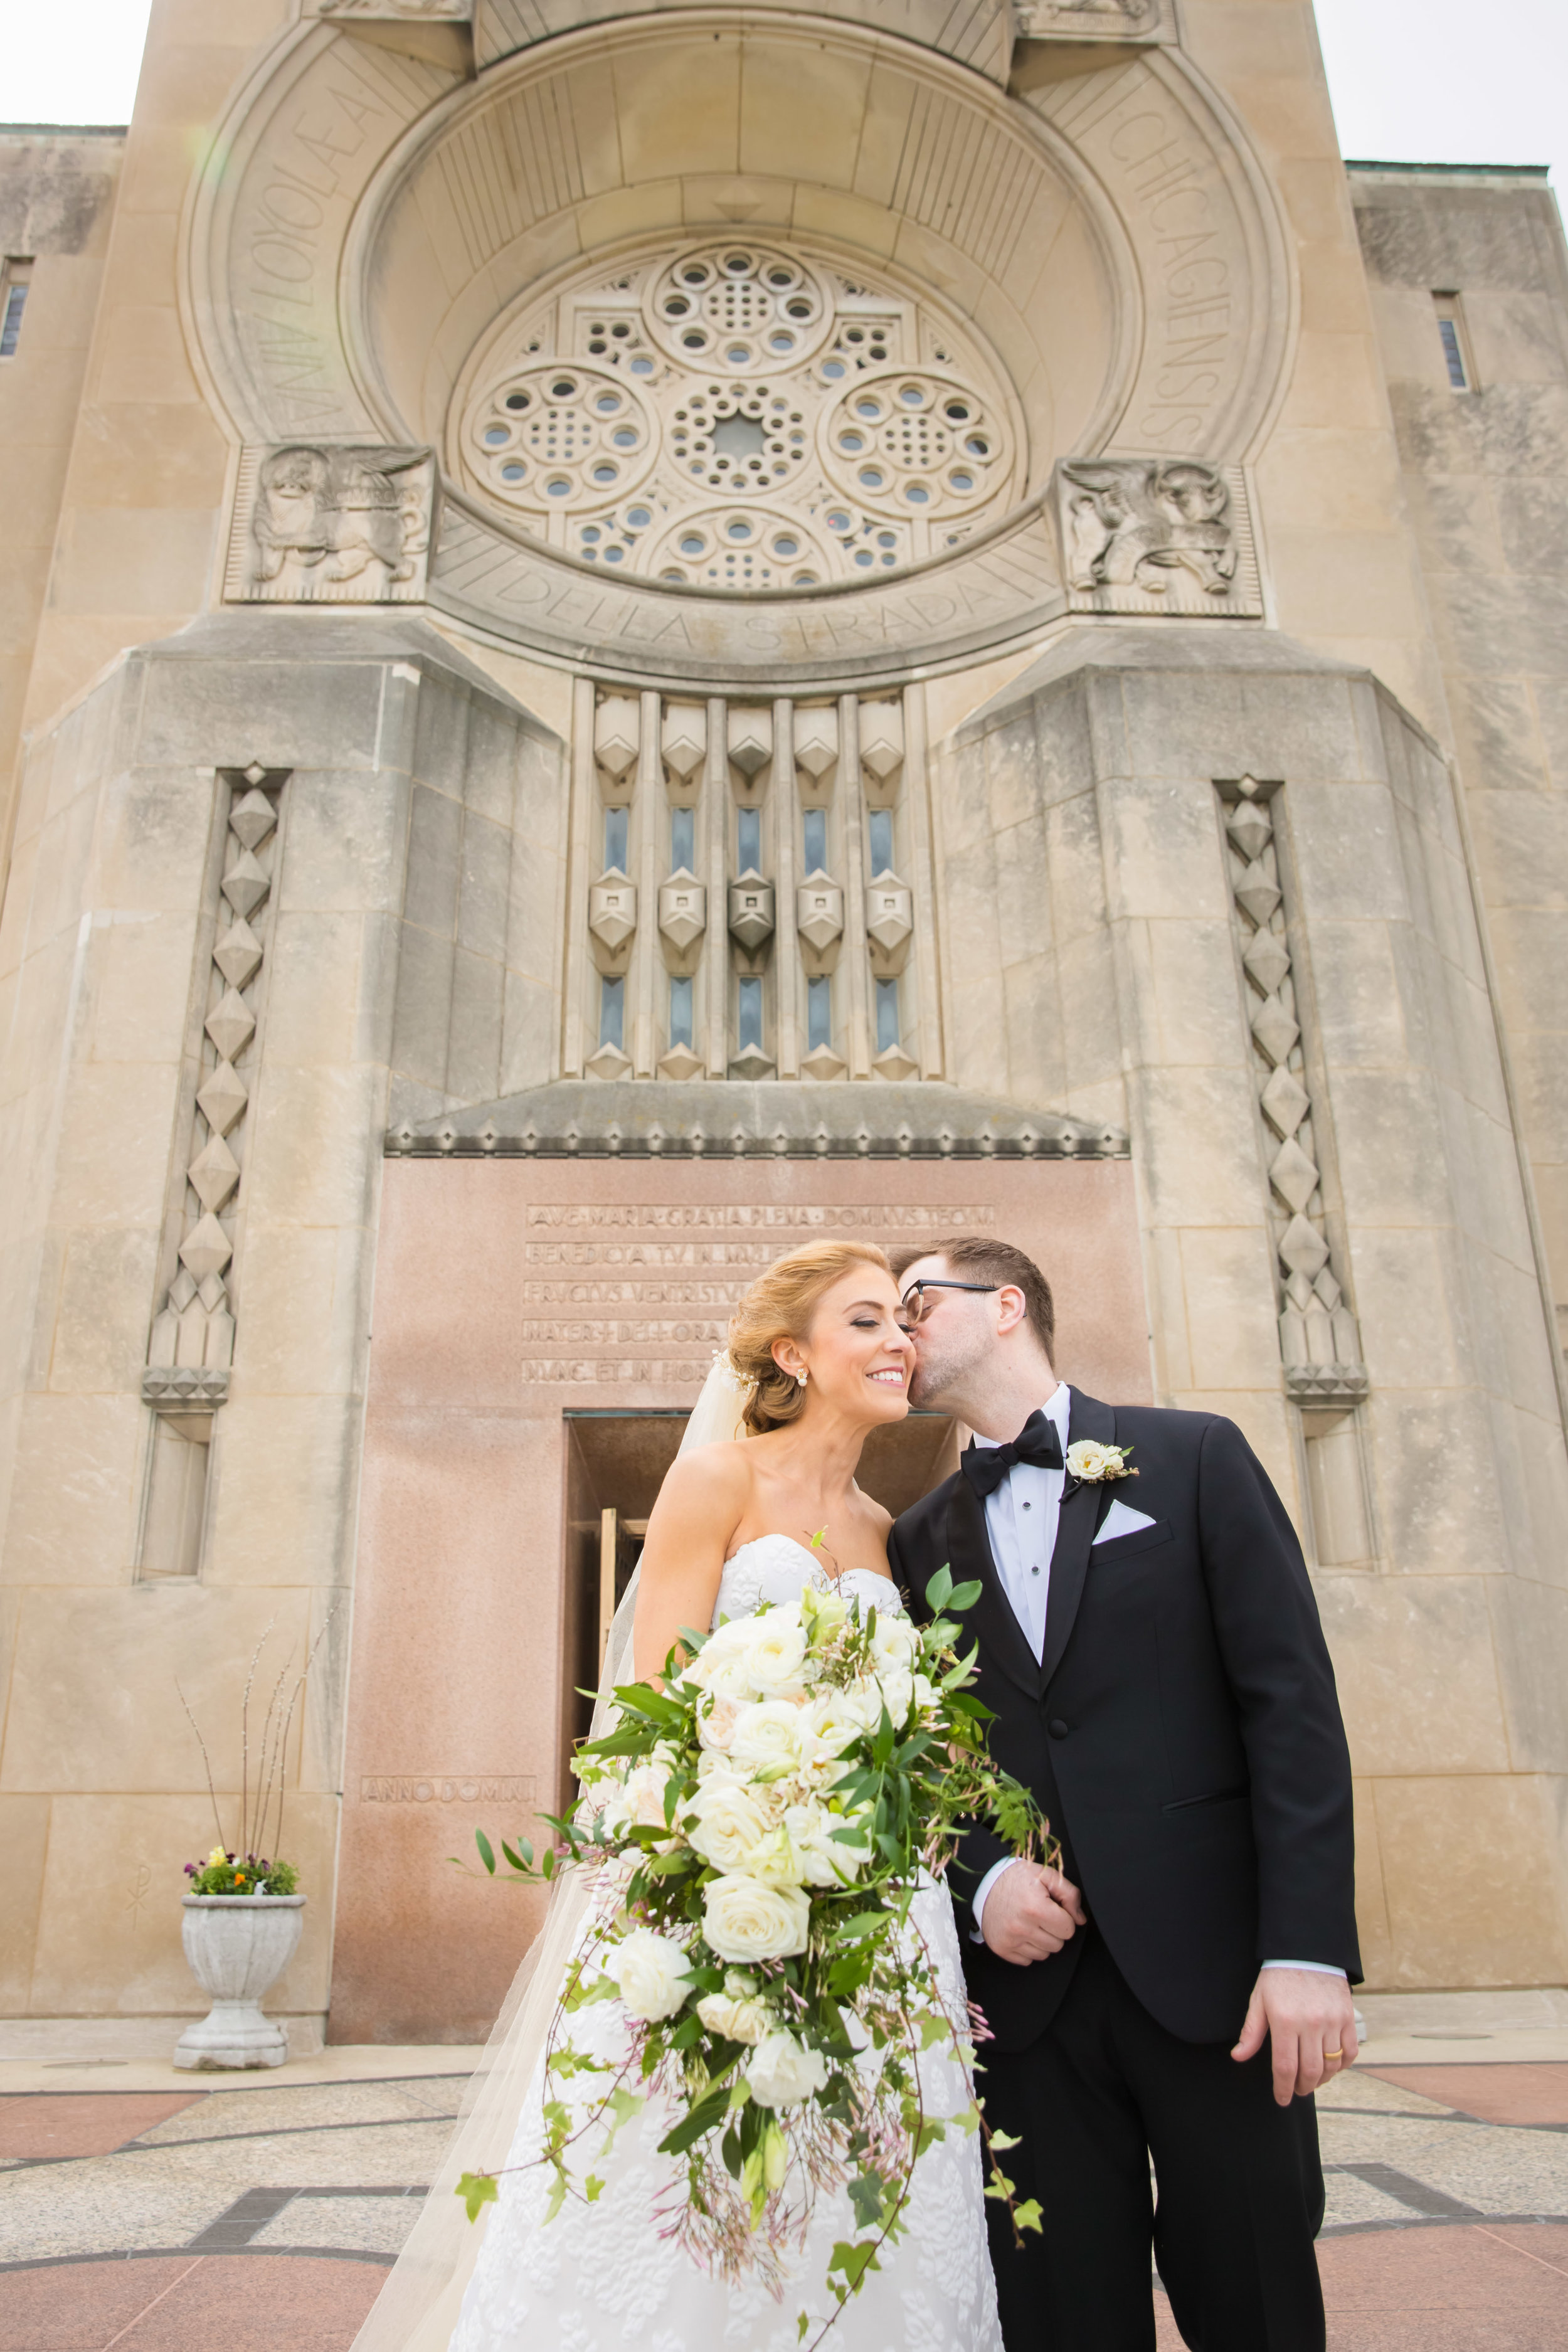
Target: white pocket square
{"x":1122,"y":1520}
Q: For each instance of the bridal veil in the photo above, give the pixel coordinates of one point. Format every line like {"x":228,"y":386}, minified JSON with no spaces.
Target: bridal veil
{"x":417,"y":2308}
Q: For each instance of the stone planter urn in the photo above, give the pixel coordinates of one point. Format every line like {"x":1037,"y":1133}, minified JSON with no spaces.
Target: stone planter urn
{"x":238,"y":1945}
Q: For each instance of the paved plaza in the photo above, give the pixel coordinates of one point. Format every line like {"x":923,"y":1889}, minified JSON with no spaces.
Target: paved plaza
{"x":147,"y":2212}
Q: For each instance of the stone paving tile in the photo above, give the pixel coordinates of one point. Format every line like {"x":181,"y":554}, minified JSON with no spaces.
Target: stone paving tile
{"x":1496,"y":2093}
{"x":310,"y":2106}
{"x":89,"y":2123}
{"x":1496,"y":2169}
{"x":189,"y":2304}
{"x":375,"y":2224}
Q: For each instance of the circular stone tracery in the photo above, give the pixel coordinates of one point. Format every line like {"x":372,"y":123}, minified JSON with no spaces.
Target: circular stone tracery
{"x":847,"y":427}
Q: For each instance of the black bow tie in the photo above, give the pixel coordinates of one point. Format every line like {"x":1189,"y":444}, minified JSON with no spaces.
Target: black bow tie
{"x":985,"y":1466}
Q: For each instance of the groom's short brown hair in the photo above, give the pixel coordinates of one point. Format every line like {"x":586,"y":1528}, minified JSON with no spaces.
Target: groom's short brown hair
{"x":973,"y":1257}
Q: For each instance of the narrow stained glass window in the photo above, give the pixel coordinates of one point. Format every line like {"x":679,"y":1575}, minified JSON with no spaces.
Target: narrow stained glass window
{"x":887,"y":1014}
{"x":881,"y":829}
{"x":13,"y":303}
{"x":749,"y":840}
{"x":750,"y":1025}
{"x":680,"y":1012}
{"x":682,"y":839}
{"x":612,"y":1012}
{"x":818,"y":1014}
{"x":615,"y":821}
{"x":813,"y":836}
{"x":1449,"y":331}
{"x":1455,"y":343}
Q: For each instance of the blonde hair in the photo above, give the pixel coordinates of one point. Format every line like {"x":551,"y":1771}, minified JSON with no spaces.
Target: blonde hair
{"x":780,"y":1305}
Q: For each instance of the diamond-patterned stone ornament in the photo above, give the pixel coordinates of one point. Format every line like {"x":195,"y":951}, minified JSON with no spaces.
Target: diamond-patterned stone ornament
{"x":1284,"y":1101}
{"x":680,"y":1063}
{"x":893,"y":1063}
{"x":889,"y":914}
{"x":252,"y":819}
{"x":1249,"y":828}
{"x":751,"y":1063}
{"x":182,"y":1290}
{"x":1302,"y":1249}
{"x":214,"y":1174}
{"x":616,"y":730}
{"x":237,"y":955}
{"x":206,"y":1248}
{"x":1292,"y":1175}
{"x":751,"y":912}
{"x":1299,"y":1291}
{"x":222,"y":1100}
{"x":255,"y":774}
{"x":212,"y":1292}
{"x":881,"y":739}
{"x":246,"y":884}
{"x":682,"y":910}
{"x":822,"y":1063}
{"x":684,"y":737}
{"x":613,"y":913}
{"x":751,"y":739}
{"x":1258,"y":894}
{"x":815,"y":741}
{"x":231,"y":1025}
{"x":1267,"y":958}
{"x":609,"y":1062}
{"x":1274,"y":1029}
{"x":819,"y":912}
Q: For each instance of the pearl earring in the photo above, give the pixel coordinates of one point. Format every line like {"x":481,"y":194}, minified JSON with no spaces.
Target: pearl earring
{"x":800,"y":1379}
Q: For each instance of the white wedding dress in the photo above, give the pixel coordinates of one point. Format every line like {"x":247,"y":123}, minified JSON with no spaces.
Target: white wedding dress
{"x":603,"y":2275}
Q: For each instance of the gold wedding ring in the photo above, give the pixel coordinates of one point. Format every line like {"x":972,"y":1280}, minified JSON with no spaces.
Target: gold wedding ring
{"x":1333,"y":2054}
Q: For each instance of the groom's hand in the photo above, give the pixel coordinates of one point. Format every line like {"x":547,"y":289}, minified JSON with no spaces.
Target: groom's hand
{"x":1308,"y":2022}
{"x":1031,"y":1913}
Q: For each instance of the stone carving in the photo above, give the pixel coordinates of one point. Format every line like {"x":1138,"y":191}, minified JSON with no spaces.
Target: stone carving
{"x":617,"y":730}
{"x":613,"y":917}
{"x":1318,"y":1340}
{"x":682,"y":912}
{"x":192,"y":1342}
{"x":427,"y":10}
{"x":739,"y":415}
{"x":819,"y":919}
{"x":751,"y":912}
{"x":1095,"y":19}
{"x":683,"y":739}
{"x":815,"y":742}
{"x":979,"y":36}
{"x":1152,"y":535}
{"x":890,"y":923}
{"x":332,"y":523}
{"x":751,"y":739}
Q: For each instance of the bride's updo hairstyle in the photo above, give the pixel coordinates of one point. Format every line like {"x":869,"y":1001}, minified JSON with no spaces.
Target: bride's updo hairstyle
{"x":779,"y":1305}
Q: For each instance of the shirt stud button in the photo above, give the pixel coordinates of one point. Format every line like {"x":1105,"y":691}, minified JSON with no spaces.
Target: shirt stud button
{"x":1059,"y":1729}
{"x":1034,"y":1571}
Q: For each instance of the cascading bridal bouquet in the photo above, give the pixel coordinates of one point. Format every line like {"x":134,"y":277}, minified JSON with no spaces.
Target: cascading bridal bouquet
{"x":755,"y":1830}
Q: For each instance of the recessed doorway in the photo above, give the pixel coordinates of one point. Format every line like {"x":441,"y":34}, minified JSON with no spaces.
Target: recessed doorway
{"x":615,"y":1464}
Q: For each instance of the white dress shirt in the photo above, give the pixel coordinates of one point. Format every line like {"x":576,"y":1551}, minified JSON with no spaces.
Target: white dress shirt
{"x":1021,"y":1519}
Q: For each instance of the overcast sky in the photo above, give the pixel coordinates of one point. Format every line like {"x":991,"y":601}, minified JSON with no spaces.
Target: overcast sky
{"x":1435,"y":81}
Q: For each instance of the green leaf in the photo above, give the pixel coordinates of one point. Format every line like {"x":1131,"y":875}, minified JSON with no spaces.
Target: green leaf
{"x":523,"y":1861}
{"x":1026,"y":2216}
{"x":477,"y":2188}
{"x":593,"y":2190}
{"x":547,"y":1868}
{"x":710,"y":2110}
{"x":939,"y":1591}
{"x":964,"y":1596}
{"x":487,"y":1852}
{"x":853,"y":2261}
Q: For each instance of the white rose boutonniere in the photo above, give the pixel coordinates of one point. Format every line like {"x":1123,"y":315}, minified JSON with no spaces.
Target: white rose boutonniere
{"x":1090,"y":1465}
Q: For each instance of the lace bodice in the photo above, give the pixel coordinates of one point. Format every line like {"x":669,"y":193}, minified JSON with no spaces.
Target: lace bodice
{"x":777,"y":1569}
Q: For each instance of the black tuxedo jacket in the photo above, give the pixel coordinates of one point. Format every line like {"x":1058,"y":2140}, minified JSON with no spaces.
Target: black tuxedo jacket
{"x":1182,"y":1730}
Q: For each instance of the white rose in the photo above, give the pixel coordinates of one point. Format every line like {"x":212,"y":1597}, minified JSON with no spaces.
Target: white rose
{"x":862,"y":1702}
{"x":724,"y":1823}
{"x":777,"y":1652}
{"x":720,"y":1663}
{"x":825,"y":1861}
{"x":737,"y":2020}
{"x":775,"y":1860}
{"x":641,"y":1801}
{"x":652,"y":1973}
{"x":745,"y":1920}
{"x":767,"y":1733}
{"x":895,"y":1639}
{"x":927,"y":1696}
{"x":827,"y":1726}
{"x":716,"y":1721}
{"x":782,"y":2072}
{"x":898,"y":1690}
{"x":1087,"y":1460}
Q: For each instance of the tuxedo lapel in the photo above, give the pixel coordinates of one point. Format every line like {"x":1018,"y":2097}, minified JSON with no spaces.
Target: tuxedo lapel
{"x":1080,"y":1517}
{"x":991,"y":1619}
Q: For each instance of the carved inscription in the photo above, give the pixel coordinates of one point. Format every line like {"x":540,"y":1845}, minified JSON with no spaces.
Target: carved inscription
{"x":446,"y":1789}
{"x":647,"y":1263}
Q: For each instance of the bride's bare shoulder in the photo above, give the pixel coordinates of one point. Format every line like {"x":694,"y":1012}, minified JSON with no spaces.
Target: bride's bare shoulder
{"x":706,"y":1480}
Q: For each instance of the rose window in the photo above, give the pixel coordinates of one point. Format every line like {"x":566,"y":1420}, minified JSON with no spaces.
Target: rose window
{"x":736,"y":416}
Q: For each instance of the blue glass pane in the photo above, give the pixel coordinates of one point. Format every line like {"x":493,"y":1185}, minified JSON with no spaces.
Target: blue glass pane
{"x":814,"y":831}
{"x":680,"y":1012}
{"x":682,"y":839}
{"x":612,"y":1012}
{"x":1452,"y":354}
{"x":881,"y":824}
{"x":887,"y":1013}
{"x":749,"y":840}
{"x":11,"y":323}
{"x":751,"y":1020}
{"x":818,"y":1014}
{"x":616,"y":820}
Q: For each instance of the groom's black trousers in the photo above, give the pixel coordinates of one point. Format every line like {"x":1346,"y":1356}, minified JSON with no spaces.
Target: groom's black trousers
{"x":1240,"y":2184}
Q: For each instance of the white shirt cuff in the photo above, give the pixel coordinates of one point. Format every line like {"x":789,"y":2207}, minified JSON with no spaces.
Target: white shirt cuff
{"x":1313,"y":1968}
{"x":977,"y":1901}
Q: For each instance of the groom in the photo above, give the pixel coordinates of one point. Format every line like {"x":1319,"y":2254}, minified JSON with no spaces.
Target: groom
{"x":1150,"y":1649}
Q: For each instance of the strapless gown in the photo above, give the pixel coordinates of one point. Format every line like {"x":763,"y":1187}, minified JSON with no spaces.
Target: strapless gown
{"x":601,"y":2276}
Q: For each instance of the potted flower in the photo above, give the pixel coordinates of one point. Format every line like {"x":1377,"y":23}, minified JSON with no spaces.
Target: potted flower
{"x":243,"y":1914}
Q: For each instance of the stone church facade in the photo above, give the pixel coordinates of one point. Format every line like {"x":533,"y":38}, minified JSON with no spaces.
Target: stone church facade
{"x":638,"y":633}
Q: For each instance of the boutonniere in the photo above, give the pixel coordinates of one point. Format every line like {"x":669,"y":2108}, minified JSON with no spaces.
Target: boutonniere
{"x":1089,"y":1464}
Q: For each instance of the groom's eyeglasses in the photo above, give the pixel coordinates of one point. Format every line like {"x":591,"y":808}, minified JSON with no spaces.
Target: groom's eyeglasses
{"x":917,"y":1306}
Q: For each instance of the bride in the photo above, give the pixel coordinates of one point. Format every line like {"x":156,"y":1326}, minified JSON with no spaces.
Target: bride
{"x":761,"y":1502}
